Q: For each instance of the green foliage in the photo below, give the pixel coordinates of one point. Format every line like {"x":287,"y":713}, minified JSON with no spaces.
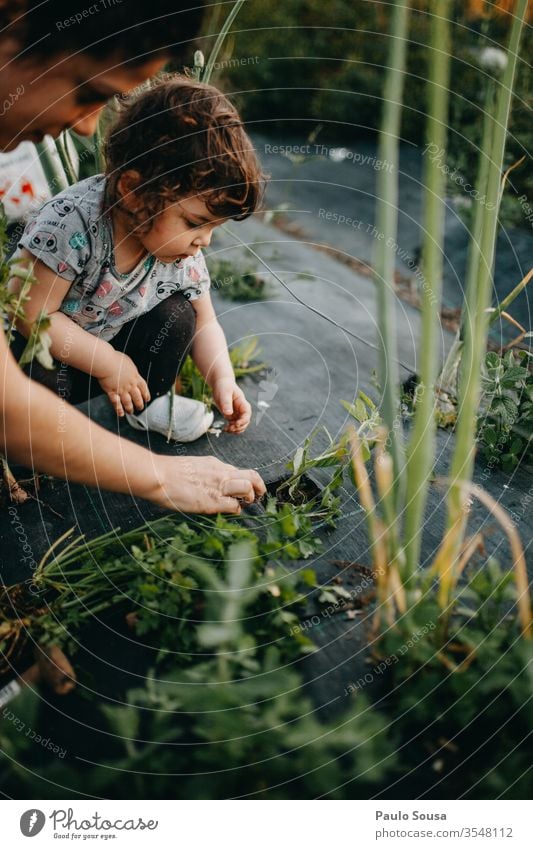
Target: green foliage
{"x":449,"y":702}
{"x":244,"y":362}
{"x":159,"y":575}
{"x":303,"y":71}
{"x":325,"y":502}
{"x":365,"y":412}
{"x":238,"y":284}
{"x":233,"y":719}
{"x":12,"y":303}
{"x":334,"y":457}
{"x":506,"y":423}
{"x":467,"y":123}
{"x":232,"y":723}
{"x":38,"y":343}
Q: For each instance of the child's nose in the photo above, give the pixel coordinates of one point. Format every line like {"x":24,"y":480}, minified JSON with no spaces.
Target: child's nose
{"x":203,"y":240}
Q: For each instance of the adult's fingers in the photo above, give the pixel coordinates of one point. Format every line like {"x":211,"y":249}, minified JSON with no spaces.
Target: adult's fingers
{"x":239,"y":488}
{"x":250,"y":475}
{"x":257,"y":482}
{"x":227,"y":505}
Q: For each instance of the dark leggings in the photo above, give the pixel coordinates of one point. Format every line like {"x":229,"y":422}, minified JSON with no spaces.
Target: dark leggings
{"x":158,"y":342}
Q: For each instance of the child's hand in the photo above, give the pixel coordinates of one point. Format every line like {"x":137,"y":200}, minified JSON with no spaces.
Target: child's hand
{"x":231,"y":402}
{"x":123,"y":384}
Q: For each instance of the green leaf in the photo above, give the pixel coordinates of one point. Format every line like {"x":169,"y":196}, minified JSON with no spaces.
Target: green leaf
{"x":38,"y":344}
{"x":514,"y":376}
{"x":492,"y":360}
{"x":297,"y":460}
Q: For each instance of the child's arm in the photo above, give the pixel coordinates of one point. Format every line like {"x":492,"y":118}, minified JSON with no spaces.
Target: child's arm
{"x":71,"y":344}
{"x":210,"y":353}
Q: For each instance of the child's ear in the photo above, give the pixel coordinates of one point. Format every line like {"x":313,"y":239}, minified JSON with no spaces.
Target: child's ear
{"x":127,"y":185}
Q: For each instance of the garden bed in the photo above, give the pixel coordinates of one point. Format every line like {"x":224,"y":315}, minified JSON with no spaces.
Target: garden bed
{"x":313,"y":365}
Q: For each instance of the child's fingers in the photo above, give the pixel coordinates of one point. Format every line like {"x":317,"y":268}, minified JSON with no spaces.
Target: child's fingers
{"x":137,"y":398}
{"x":127,"y":403}
{"x":116,"y":403}
{"x":244,"y":414}
{"x":224,"y":402}
{"x":238,"y":426}
{"x":143,"y":386}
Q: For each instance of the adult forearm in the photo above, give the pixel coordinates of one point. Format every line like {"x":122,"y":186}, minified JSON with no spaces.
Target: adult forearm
{"x":46,"y":434}
{"x":49,"y":435}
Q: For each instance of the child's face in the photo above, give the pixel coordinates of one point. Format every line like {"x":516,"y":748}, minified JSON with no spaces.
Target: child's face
{"x":180,"y":230}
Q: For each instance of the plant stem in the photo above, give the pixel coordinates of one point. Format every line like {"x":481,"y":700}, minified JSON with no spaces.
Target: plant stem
{"x":66,"y":161}
{"x":220,"y":40}
{"x":387,"y":227}
{"x":476,"y":329}
{"x":54,"y":174}
{"x":508,"y":300}
{"x":421,"y":449}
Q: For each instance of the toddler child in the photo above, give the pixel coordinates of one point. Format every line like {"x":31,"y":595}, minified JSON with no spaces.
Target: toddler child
{"x":119,"y":264}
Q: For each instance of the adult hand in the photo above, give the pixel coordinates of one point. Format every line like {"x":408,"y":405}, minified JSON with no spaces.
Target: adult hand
{"x":203,"y":485}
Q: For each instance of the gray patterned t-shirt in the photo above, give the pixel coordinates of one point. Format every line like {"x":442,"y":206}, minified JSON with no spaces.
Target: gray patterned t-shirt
{"x":72,"y":235}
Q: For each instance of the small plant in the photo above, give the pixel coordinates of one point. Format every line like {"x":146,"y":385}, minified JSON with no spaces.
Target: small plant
{"x":238,"y":284}
{"x":335,"y":457}
{"x":243,"y":359}
{"x":506,"y":423}
{"x":365,"y":412}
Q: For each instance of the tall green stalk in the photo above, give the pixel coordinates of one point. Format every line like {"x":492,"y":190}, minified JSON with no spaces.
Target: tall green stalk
{"x":386,"y":235}
{"x":449,"y":371}
{"x":53,"y":171}
{"x":213,"y":56}
{"x":421,"y":448}
{"x":62,"y":145}
{"x":476,"y":327}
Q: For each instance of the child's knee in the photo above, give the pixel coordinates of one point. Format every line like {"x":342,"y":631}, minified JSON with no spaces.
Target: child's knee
{"x":176,"y":317}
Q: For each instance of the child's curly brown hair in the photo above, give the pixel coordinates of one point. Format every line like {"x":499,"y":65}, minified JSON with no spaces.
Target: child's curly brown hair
{"x":185,"y":139}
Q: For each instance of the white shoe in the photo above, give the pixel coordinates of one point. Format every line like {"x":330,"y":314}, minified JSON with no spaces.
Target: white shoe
{"x":190,"y":419}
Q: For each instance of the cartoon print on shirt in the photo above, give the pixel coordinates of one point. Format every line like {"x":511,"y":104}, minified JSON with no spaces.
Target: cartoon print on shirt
{"x":194,"y":274}
{"x":105,"y":287}
{"x":62,"y":206}
{"x":93,"y":312}
{"x":77,"y":240}
{"x":82,"y":285}
{"x":70,"y":305}
{"x":115,"y":309}
{"x":43,"y":241}
{"x":72,"y":236}
{"x":165,"y":288}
